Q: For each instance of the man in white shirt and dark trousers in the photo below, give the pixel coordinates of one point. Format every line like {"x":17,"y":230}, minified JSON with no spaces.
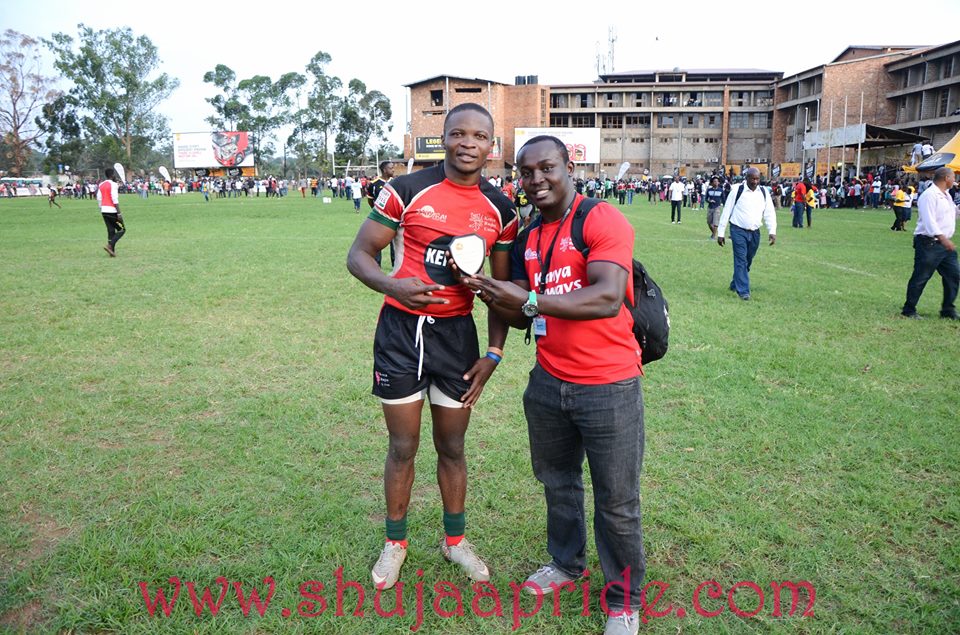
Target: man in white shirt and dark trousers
{"x":932,"y":247}
{"x":748,"y":205}
{"x":676,"y":199}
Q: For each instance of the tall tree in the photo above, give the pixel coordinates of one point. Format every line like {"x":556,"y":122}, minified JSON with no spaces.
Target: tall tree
{"x":110,"y":73}
{"x":319,"y":119}
{"x":24,"y":91}
{"x":364,"y":117}
{"x":227,"y":107}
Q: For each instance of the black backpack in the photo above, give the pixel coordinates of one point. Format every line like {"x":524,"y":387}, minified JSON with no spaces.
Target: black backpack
{"x":651,"y":313}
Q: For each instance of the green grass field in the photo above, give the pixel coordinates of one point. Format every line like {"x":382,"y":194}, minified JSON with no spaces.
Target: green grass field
{"x":199,"y":407}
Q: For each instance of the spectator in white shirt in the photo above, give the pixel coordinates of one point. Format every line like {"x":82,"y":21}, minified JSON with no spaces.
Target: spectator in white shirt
{"x":933,"y":249}
{"x":748,"y":205}
{"x":676,"y":199}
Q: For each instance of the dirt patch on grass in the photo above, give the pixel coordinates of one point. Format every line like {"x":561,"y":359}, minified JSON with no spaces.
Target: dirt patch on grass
{"x":24,"y":619}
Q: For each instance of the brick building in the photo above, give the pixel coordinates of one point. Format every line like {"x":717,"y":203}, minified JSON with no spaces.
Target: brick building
{"x":830,"y":97}
{"x":696,"y":120}
{"x":512,"y":106}
{"x":926,"y":92}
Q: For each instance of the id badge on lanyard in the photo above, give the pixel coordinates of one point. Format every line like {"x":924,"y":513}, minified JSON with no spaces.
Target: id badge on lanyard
{"x":539,"y":326}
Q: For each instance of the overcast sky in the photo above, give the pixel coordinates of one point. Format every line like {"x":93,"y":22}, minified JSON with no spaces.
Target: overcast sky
{"x":389,"y":45}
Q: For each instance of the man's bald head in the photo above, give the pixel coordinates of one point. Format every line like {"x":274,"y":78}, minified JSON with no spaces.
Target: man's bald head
{"x":941,"y":174}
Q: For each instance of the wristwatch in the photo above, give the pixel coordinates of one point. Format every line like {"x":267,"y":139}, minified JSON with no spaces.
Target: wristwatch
{"x":530,"y":308}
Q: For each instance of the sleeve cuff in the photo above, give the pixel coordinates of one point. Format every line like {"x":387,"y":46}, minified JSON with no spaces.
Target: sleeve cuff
{"x":383,"y":220}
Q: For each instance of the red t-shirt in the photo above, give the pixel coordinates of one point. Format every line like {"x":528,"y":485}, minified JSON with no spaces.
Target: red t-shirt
{"x":427,"y":210}
{"x":600,"y":351}
{"x":106,"y":194}
{"x":800,"y":193}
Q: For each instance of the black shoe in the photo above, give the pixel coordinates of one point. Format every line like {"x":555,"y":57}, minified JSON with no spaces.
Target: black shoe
{"x":745,"y":297}
{"x":912,"y":316}
{"x":949,"y":316}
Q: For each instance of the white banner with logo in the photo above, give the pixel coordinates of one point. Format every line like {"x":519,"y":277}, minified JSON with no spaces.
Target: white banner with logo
{"x":583,"y":144}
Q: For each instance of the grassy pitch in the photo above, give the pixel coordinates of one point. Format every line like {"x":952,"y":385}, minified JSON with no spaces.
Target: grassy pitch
{"x":198,"y":408}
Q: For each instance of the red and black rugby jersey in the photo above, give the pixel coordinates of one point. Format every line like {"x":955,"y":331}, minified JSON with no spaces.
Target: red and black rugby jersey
{"x":427,"y":210}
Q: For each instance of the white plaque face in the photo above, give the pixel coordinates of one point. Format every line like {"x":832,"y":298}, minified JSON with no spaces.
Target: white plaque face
{"x":468,"y":253}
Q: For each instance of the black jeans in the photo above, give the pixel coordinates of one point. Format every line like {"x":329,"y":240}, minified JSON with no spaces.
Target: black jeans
{"x":929,"y":256}
{"x":675,"y":209}
{"x":604,"y":423}
{"x":115,"y":228}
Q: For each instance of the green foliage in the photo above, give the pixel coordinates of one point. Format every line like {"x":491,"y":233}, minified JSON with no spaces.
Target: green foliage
{"x":199,"y":406}
{"x":109,"y":71}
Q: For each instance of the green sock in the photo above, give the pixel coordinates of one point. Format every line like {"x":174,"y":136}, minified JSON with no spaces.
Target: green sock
{"x":454,"y":524}
{"x":397,"y":529}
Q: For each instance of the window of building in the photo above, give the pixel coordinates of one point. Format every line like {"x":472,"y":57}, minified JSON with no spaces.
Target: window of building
{"x":942,"y":102}
{"x":712,"y":120}
{"x":946,"y":70}
{"x":710,"y":139}
{"x":713,"y":99}
{"x":668,"y":99}
{"x":761,"y":120}
{"x":641,"y":100}
{"x":693,"y":99}
{"x":611,"y":121}
{"x":558,"y":121}
{"x":581,"y":121}
{"x":636,"y":139}
{"x":586,"y":100}
{"x":691,"y":121}
{"x":638,"y":121}
{"x":466,"y":90}
{"x":666,"y":140}
{"x":558,"y":101}
{"x":436,"y":98}
{"x":666,"y":121}
{"x":739,"y":98}
{"x":614,"y":100}
{"x":611,"y":140}
{"x":763,"y":98}
{"x":739,"y":120}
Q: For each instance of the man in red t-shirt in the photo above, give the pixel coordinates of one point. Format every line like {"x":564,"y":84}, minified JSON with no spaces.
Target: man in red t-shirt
{"x":584,"y":395}
{"x":108,"y":197}
{"x":426,"y":340}
{"x":799,"y":203}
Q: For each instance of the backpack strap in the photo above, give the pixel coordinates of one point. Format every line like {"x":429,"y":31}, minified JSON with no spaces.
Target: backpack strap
{"x":743,"y":186}
{"x":576,"y":225}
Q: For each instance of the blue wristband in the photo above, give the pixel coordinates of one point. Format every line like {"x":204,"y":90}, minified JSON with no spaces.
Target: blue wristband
{"x":496,"y":358}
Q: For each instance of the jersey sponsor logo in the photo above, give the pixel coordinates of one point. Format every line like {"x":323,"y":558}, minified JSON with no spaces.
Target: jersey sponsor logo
{"x":435,"y":261}
{"x":566,"y":244}
{"x":428,"y":212}
{"x":563,"y":287}
{"x":529,"y":254}
{"x":383,"y":198}
{"x":476,"y":221}
{"x":553,"y":277}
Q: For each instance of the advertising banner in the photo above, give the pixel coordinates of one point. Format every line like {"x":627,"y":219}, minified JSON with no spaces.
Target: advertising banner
{"x":790,"y":170}
{"x":431,"y":149}
{"x":583,"y":144}
{"x":835,"y":137}
{"x":212,"y":150}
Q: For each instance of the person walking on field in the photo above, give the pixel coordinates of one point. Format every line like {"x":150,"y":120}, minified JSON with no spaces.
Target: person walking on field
{"x":933,"y":249}
{"x":746,"y":208}
{"x":108,"y":197}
